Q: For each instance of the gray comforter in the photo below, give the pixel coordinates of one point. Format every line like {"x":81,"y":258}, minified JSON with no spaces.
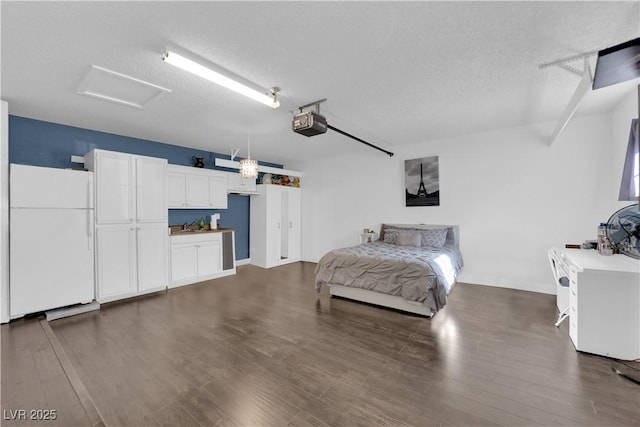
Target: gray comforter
{"x":422,"y":274}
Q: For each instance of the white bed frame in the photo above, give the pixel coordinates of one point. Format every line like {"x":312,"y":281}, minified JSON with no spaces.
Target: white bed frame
{"x":393,"y":301}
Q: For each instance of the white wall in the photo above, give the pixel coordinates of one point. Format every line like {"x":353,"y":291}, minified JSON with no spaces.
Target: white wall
{"x":621,"y":117}
{"x":512,"y":195}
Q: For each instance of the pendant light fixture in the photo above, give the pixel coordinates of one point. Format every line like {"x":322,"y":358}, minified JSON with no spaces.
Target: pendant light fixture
{"x":248,"y":166}
{"x":225,"y":78}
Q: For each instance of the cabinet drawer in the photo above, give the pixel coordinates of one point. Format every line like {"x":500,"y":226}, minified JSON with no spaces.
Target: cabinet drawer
{"x":195,"y":238}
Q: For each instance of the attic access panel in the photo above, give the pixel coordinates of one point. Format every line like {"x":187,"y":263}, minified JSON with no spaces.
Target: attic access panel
{"x":108,"y":85}
{"x":617,"y":64}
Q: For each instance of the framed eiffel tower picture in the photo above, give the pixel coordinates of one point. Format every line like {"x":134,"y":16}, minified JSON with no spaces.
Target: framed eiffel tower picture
{"x":422,"y":182}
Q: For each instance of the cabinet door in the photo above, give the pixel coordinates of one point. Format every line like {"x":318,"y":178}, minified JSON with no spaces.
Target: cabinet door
{"x":151,"y":189}
{"x":239,"y":184}
{"x":197,"y":191}
{"x":116,"y":261}
{"x":114,"y":188}
{"x":218,"y":191}
{"x":293,"y":223}
{"x":152,"y":256}
{"x":273,"y":214}
{"x":209,"y":258}
{"x":176,"y":182}
{"x":184,"y":262}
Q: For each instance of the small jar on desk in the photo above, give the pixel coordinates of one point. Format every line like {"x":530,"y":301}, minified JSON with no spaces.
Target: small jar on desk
{"x":367,"y":236}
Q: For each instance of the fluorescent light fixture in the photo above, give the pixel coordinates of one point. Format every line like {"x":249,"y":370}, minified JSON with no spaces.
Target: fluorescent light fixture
{"x":216,"y":77}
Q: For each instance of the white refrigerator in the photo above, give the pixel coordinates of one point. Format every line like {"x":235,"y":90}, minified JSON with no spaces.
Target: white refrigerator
{"x":51,"y":239}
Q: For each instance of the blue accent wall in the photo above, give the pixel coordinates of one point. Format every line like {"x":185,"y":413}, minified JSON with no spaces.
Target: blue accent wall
{"x":40,"y":143}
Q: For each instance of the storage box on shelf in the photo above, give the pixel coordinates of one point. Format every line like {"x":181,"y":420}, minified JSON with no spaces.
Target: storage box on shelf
{"x":198,"y":256}
{"x":131,"y":223}
{"x":195,"y":188}
{"x":275,"y":225}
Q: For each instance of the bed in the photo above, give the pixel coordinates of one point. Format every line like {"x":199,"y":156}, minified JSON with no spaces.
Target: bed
{"x":412,"y":267}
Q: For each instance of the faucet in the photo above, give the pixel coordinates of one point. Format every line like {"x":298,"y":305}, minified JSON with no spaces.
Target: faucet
{"x":184,"y":227}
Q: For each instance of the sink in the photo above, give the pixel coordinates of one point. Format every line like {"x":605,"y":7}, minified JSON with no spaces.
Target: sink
{"x":187,"y":231}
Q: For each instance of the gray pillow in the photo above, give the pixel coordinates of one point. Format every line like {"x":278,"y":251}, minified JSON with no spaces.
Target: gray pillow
{"x":408,"y":239}
{"x":391,"y":236}
{"x":434,"y":237}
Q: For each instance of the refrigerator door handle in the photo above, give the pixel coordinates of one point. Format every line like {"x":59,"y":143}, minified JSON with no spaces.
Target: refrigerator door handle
{"x":89,"y":229}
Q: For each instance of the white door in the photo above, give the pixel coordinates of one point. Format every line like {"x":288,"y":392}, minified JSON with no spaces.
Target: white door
{"x":114,"y":188}
{"x":274,"y":225}
{"x":116,"y":261}
{"x":51,"y":265}
{"x":218,"y":191}
{"x":152,"y":256}
{"x":197,"y":191}
{"x":293,"y":223}
{"x":151,"y":189}
{"x":184,"y":262}
{"x":176,"y":183}
{"x":209,"y":258}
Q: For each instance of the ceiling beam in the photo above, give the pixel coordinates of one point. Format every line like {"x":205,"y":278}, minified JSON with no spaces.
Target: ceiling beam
{"x":583,"y":87}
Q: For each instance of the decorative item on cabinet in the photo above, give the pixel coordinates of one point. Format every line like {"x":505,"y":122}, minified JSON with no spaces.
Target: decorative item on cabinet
{"x":283,"y":180}
{"x":198,"y":162}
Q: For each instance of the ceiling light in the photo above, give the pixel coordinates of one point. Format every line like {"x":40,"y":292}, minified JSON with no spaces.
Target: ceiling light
{"x":268,"y":98}
{"x":248,"y":166}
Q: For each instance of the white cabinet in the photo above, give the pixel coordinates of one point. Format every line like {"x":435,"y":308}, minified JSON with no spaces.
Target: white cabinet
{"x":151,"y":254}
{"x":218,"y":191}
{"x":131,"y":223}
{"x":193,"y":188}
{"x":115,"y":267}
{"x":177,"y":187}
{"x":202,"y":256}
{"x":184,"y":262}
{"x":604,"y":303}
{"x":275,"y":225}
{"x":197,"y":190}
{"x":238,"y":184}
{"x":151,"y":189}
{"x":114,"y":187}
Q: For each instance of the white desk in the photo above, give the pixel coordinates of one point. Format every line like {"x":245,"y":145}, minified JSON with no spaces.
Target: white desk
{"x":604,"y":300}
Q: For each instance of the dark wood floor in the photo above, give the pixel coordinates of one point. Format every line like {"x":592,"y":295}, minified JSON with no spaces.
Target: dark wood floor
{"x":263,"y":349}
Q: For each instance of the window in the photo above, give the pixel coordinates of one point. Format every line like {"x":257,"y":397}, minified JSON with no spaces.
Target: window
{"x":630,"y":184}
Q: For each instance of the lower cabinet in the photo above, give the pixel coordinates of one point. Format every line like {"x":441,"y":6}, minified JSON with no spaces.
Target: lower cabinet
{"x":199,"y":257}
{"x":131,"y":260}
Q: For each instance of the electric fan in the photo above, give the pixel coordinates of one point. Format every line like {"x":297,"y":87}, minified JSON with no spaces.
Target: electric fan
{"x":623,"y":230}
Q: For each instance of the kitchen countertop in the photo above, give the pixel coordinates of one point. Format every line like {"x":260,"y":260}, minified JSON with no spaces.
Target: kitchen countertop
{"x":176,"y":230}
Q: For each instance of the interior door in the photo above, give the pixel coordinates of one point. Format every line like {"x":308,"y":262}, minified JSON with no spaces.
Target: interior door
{"x":274,"y":225}
{"x":293,"y":223}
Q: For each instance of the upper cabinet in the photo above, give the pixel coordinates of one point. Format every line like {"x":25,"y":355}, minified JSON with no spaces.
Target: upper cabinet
{"x":240,"y":185}
{"x":193,"y":188}
{"x":128,"y":187}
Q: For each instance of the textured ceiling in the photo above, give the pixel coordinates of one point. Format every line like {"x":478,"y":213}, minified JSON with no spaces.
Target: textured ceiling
{"x":393,"y":72}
